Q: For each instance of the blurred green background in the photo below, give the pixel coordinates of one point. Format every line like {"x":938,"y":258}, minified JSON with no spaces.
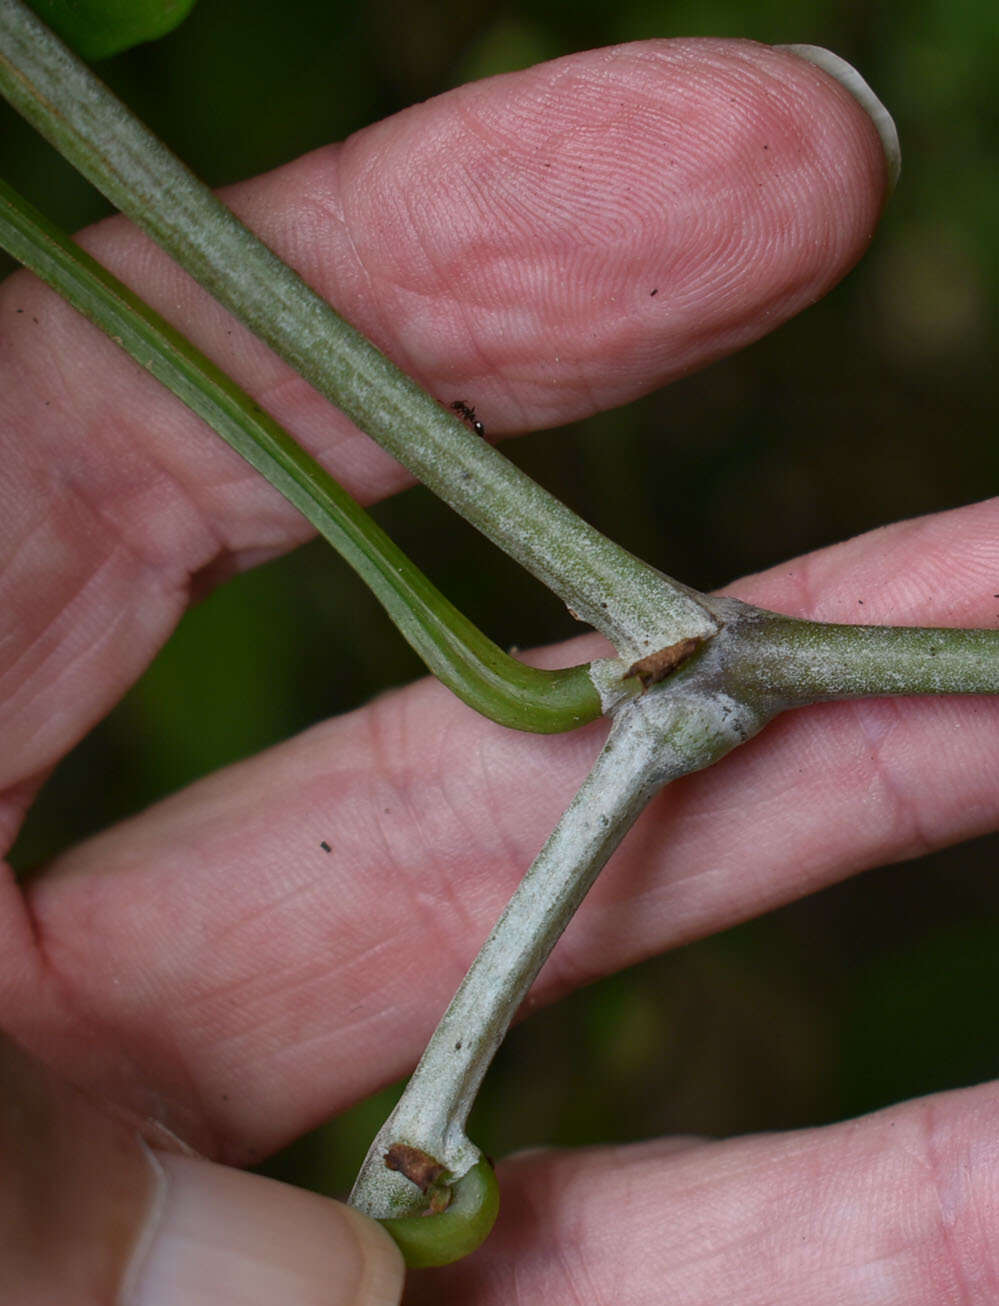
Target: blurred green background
{"x":878,"y":404}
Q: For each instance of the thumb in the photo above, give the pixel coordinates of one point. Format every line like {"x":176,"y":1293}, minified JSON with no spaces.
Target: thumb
{"x":89,"y":1216}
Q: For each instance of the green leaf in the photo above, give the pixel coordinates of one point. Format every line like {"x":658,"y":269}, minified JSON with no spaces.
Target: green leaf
{"x":96,"y":29}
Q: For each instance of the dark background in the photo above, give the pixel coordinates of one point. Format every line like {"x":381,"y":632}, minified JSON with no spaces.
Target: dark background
{"x":875,"y":405}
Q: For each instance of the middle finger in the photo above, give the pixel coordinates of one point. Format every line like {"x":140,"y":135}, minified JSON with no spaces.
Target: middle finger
{"x":237,"y":981}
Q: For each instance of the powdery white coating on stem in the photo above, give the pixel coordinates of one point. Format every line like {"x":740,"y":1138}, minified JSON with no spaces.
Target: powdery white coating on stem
{"x":668,"y":732}
{"x":609,"y":676}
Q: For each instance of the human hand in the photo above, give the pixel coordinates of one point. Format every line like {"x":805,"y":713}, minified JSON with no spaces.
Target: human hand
{"x":203,"y":969}
{"x":91,"y":1216}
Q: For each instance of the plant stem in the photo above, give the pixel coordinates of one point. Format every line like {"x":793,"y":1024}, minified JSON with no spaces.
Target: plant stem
{"x":725,"y":691}
{"x":798,"y":662}
{"x":601,"y":583}
{"x":475,"y":668}
{"x":670,"y":731}
{"x":721,"y":670}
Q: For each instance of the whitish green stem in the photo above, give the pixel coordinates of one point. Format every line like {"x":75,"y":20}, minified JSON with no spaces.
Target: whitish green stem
{"x":718,"y":695}
{"x":801,"y":662}
{"x":670,"y":731}
{"x":600,"y":582}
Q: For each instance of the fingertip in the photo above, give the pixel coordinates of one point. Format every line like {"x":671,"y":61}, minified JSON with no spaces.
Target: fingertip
{"x":222,"y":1237}
{"x":848,"y":76}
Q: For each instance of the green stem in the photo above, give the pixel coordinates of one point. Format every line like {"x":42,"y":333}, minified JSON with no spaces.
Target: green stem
{"x":475,"y":668}
{"x":600,"y":582}
{"x":798,"y":662}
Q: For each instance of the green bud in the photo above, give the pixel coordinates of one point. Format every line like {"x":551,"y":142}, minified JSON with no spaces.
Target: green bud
{"x":427,"y":1239}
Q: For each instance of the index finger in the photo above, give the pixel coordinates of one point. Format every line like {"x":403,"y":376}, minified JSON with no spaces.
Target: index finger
{"x":554,"y":241}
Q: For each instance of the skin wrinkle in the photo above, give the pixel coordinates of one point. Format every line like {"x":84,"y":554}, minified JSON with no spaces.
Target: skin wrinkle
{"x":420,"y":232}
{"x":318,"y":1047}
{"x":69,"y":1001}
{"x":382,"y":723}
{"x":133,"y":1058}
{"x":413,"y":360}
{"x":9,"y":640}
{"x":906,"y":828}
{"x":937,"y":1176}
{"x":971,"y":1261}
{"x":66,"y":661}
{"x":141,"y":1055}
{"x":249,"y":921}
{"x":579,"y":1283}
{"x":291,"y":1007}
{"x":345,"y":268}
{"x":149,"y":559}
{"x":58,"y":387}
{"x":506,"y":849}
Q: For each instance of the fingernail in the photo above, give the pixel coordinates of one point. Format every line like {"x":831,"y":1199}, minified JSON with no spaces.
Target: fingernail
{"x":848,"y":76}
{"x":219,"y":1237}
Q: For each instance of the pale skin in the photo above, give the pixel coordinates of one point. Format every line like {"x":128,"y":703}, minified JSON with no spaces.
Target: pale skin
{"x":204,"y":968}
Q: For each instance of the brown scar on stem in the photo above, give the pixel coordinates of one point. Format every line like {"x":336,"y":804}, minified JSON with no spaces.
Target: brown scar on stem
{"x":418,"y":1167}
{"x":425,"y":1171}
{"x":657,"y":666}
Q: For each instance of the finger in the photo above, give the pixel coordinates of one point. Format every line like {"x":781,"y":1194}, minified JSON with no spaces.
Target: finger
{"x":211,"y":965}
{"x":896,"y":1209}
{"x":502,"y":242}
{"x":90,"y":1216}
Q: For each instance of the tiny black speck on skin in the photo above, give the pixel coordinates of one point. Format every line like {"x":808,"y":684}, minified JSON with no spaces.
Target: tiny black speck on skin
{"x":654,"y":292}
{"x":325,"y":846}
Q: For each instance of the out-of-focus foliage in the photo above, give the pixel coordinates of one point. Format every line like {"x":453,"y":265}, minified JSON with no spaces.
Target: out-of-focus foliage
{"x":96,"y":29}
{"x":878,"y":404}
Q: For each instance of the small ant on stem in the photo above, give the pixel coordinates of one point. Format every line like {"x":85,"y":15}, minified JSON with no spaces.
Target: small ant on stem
{"x":466,"y":411}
